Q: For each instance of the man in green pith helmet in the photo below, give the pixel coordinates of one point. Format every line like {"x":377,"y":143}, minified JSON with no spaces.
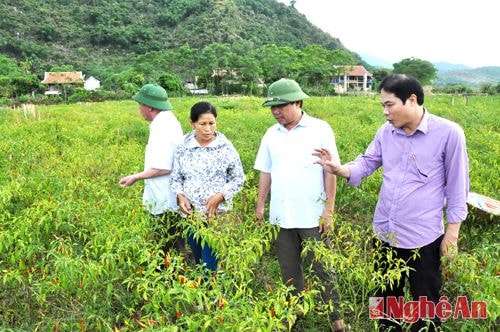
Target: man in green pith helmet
{"x":165,"y":133}
{"x":302,"y":194}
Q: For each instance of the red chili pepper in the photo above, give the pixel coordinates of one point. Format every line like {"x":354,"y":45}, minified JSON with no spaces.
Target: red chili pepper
{"x":221,"y":305}
{"x":166,"y":261}
{"x":82,"y":324}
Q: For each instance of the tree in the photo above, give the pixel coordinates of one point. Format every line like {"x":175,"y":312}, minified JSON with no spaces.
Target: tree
{"x":277,"y":61}
{"x":422,"y":70}
{"x":151,"y":65}
{"x":317,"y":64}
{"x":32,"y":65}
{"x":379,"y":74}
{"x":488,"y":88}
{"x":248,"y":67}
{"x":315,"y":67}
{"x":62,"y":68}
{"x":217,"y":64}
{"x":129,"y":81}
{"x":184,"y":62}
{"x":8,"y":67}
{"x":25,"y":84}
{"x":171,"y":83}
{"x":12,"y":81}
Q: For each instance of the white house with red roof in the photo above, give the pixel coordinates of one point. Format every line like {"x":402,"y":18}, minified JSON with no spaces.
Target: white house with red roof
{"x":56,"y":80}
{"x":351,"y":78}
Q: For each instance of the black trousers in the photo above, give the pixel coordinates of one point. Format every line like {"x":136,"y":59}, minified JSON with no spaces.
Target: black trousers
{"x":424,"y":280}
{"x":167,"y":227}
{"x":288,"y":246}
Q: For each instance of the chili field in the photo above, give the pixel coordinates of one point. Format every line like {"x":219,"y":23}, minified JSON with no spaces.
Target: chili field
{"x":79,"y":253}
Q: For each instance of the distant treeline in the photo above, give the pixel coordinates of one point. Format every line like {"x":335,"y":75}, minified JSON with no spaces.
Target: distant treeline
{"x":218,"y":68}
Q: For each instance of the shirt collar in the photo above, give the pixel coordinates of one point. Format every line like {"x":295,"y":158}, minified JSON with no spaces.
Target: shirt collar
{"x":423,"y":126}
{"x":193,"y":143}
{"x":157,"y":118}
{"x":304,"y":121}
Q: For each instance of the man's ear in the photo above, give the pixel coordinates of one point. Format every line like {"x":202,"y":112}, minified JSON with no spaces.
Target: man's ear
{"x":413,"y":98}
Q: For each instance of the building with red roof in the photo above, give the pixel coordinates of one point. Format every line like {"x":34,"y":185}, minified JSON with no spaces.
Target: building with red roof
{"x":56,"y":79}
{"x":351,"y":78}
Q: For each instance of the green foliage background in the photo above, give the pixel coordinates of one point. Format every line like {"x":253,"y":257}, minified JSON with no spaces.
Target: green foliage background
{"x":77,"y":252}
{"x":126,"y":44}
{"x":96,"y":32}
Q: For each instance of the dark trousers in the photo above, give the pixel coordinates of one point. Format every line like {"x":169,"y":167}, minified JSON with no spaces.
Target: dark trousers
{"x":424,"y":280}
{"x":288,"y":246}
{"x":167,"y":227}
{"x":203,"y":254}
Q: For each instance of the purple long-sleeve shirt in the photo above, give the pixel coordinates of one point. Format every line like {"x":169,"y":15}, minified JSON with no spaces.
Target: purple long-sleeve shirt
{"x":423,"y":173}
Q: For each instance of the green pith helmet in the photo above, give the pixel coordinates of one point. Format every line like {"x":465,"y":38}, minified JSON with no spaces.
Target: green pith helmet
{"x":284,"y":91}
{"x":154,"y":96}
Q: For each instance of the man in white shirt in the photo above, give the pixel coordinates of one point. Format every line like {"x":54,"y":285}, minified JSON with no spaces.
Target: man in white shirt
{"x":165,"y":133}
{"x":302,"y":194}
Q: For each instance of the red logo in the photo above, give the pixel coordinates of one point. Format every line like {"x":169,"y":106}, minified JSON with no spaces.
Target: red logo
{"x":392,"y":307}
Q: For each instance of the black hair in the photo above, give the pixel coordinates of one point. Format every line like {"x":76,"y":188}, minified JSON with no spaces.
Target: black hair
{"x":403,"y":86}
{"x":200,"y":108}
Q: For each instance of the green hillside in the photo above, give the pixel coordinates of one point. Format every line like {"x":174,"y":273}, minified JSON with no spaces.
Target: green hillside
{"x":471,"y":77}
{"x":106,"y":32}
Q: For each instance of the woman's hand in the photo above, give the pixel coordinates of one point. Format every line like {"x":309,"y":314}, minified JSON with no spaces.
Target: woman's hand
{"x":184,"y":205}
{"x":212,"y":204}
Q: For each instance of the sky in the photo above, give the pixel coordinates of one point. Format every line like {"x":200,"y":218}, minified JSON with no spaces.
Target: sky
{"x":455,"y":31}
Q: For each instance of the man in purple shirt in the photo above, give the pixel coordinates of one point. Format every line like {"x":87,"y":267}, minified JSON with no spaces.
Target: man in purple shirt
{"x":425,"y":171}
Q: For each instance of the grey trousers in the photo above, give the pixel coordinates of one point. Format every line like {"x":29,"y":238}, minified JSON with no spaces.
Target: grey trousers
{"x":288,"y":246}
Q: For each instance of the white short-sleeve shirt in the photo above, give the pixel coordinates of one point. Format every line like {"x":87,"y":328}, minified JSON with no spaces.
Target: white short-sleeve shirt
{"x":297,"y":184}
{"x":165,"y":133}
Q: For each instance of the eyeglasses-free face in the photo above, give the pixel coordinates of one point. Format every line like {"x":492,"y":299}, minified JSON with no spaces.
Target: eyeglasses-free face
{"x":404,"y":116}
{"x":288,"y":115}
{"x":205,"y":128}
